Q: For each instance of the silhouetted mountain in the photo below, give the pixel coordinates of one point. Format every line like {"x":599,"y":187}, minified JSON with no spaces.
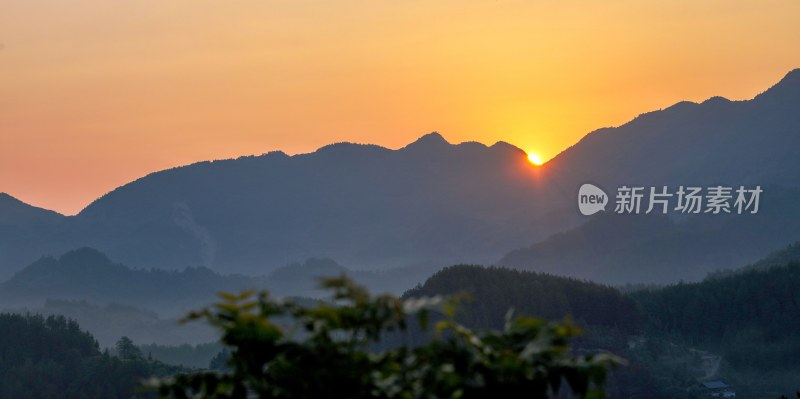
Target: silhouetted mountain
{"x":16,"y":213}
{"x":366,"y":206}
{"x":717,"y":142}
{"x":493,"y":291}
{"x":432,"y":202}
{"x":87,"y":274}
{"x":22,"y":227}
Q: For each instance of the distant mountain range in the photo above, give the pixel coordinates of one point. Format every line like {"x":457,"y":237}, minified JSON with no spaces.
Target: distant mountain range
{"x":369,"y":207}
{"x":433,"y":203}
{"x":87,"y":274}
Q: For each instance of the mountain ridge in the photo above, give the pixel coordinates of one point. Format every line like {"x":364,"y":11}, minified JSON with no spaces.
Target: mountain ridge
{"x":430,"y":202}
{"x":688,"y":122}
{"x":14,"y":211}
{"x":437,"y":202}
{"x":90,"y":275}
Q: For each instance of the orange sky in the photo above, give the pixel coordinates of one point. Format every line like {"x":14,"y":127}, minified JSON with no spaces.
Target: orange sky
{"x":95,"y":93}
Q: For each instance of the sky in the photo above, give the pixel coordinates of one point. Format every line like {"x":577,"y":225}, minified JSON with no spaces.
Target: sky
{"x":97,"y":93}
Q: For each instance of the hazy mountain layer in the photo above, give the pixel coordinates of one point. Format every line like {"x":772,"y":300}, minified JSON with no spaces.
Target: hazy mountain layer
{"x":621,"y":249}
{"x":87,"y":274}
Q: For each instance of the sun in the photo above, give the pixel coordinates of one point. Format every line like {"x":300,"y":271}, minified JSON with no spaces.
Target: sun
{"x":535,"y":159}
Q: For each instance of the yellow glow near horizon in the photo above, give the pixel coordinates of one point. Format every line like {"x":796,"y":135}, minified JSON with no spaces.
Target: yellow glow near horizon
{"x":535,"y":159}
{"x":95,"y":93}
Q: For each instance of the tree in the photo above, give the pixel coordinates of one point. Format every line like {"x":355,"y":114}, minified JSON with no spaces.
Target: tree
{"x":219,"y":361}
{"x":282,"y":349}
{"x":126,"y":350}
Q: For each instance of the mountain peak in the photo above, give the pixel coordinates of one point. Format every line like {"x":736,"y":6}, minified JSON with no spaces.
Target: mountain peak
{"x":787,"y":88}
{"x":84,"y":255}
{"x":5,"y":197}
{"x":505,"y":147}
{"x":433,"y":139}
{"x":716,"y":100}
{"x":792,"y":78}
{"x":18,"y":213}
{"x":346,"y":147}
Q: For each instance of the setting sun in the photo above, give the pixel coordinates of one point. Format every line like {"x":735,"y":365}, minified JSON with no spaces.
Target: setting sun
{"x":535,"y":159}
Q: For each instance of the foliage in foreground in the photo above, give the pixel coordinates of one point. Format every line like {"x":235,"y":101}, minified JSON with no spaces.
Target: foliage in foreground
{"x":282,"y":349}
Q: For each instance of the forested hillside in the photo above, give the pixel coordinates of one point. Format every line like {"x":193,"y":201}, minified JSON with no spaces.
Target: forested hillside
{"x":53,"y":358}
{"x":493,"y":291}
{"x":747,"y":320}
{"x":753,"y":316}
{"x":732,"y":327}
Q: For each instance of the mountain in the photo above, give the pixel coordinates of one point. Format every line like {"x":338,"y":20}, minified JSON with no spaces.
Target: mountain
{"x":493,"y":291}
{"x":366,"y":206}
{"x":609,"y":318}
{"x":790,"y":254}
{"x":21,"y":229}
{"x":622,"y":248}
{"x":718,"y":142}
{"x":721,"y":308}
{"x":54,"y":358}
{"x":781,"y":257}
{"x":108,"y":323}
{"x":749,"y":319}
{"x":436,"y":203}
{"x":87,"y":274}
{"x":16,"y":213}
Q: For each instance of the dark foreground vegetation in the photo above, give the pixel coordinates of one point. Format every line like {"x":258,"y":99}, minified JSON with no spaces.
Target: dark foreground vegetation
{"x":737,"y":328}
{"x":325,"y":352}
